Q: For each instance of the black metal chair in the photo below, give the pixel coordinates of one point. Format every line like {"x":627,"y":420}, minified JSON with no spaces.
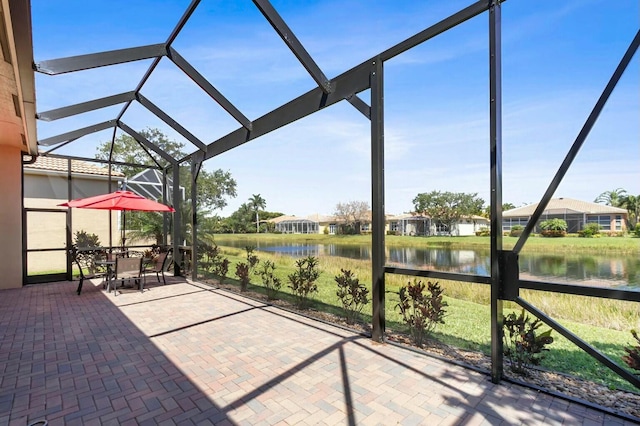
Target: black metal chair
{"x":158,"y":266}
{"x":73,"y":252}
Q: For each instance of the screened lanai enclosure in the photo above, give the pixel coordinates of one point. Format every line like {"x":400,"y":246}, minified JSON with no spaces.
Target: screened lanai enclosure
{"x":360,"y":91}
{"x":297,"y":226}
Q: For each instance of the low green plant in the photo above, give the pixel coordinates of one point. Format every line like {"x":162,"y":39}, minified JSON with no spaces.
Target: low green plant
{"x":242,"y":272}
{"x":421,"y":310}
{"x":252,"y":259}
{"x":483,"y":232}
{"x":516,"y":230}
{"x":632,"y":358}
{"x":87,"y":249}
{"x":221,"y":269}
{"x":206,"y":254}
{"x":523,"y":343}
{"x":271,"y":283}
{"x":85,"y":240}
{"x":353,"y":295}
{"x":219,"y":264}
{"x":553,"y":228}
{"x":636,"y":231}
{"x":303,"y":280}
{"x":590,"y":230}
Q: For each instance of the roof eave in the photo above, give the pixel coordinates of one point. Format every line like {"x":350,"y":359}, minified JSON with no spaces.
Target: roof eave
{"x":17,"y":17}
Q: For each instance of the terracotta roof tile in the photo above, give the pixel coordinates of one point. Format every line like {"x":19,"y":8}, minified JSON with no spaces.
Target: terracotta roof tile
{"x":60,"y":165}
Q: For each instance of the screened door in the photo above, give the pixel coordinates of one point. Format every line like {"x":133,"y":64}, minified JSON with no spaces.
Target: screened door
{"x":46,"y":240}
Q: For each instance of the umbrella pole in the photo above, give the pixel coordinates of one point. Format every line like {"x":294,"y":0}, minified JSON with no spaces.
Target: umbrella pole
{"x":124,"y":227}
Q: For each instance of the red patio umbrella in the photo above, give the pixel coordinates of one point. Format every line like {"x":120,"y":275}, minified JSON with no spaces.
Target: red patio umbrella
{"x":119,"y":200}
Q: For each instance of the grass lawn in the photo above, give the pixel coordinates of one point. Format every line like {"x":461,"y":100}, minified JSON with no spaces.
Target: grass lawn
{"x":468,"y":315}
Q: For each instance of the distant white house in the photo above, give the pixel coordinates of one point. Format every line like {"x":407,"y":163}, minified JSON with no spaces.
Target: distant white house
{"x":414,"y":224}
{"x":575,"y":212}
{"x":404,"y":224}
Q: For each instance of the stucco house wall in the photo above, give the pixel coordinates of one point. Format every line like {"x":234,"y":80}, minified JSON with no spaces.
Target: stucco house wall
{"x":46,"y":186}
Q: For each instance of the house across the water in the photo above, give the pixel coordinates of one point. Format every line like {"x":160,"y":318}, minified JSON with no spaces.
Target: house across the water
{"x":575,"y":212}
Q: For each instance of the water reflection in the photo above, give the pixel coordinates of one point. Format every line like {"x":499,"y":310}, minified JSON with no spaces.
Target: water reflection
{"x":602,"y":270}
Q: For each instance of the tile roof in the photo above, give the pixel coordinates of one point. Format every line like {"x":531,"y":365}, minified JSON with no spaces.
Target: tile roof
{"x":313,"y":218}
{"x":564,"y":205}
{"x":60,"y":165}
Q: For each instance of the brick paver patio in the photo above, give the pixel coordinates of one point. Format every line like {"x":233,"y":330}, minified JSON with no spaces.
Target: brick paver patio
{"x":186,"y":353}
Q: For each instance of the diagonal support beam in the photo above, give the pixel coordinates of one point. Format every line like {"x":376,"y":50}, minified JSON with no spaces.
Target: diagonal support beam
{"x":438,"y":28}
{"x":293,"y":43}
{"x":146,"y":142}
{"x":353,"y":81}
{"x":595,"y":353}
{"x":144,"y":148}
{"x":102,"y":59}
{"x":360,"y":105}
{"x":577,"y":144}
{"x":208,"y":87}
{"x":181,"y":23}
{"x":75,"y":134}
{"x":57,"y":147}
{"x":170,"y":121}
{"x":55,"y":114}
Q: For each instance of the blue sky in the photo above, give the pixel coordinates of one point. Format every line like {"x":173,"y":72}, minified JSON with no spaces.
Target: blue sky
{"x":557,"y":58}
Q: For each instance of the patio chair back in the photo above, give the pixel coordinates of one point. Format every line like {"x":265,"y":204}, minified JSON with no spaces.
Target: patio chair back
{"x":159,"y":265}
{"x":84,"y":275}
{"x":128,"y":267}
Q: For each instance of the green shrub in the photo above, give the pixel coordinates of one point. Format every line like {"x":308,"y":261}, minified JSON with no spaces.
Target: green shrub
{"x":636,"y":231}
{"x":516,"y":230}
{"x":88,"y":250}
{"x":590,"y":230}
{"x":553,"y":228}
{"x":252,"y":259}
{"x":353,"y":295}
{"x":271,"y":283}
{"x":219,"y":264}
{"x":523,"y":346}
{"x":85,"y":240}
{"x":632,"y":358}
{"x":483,"y":232}
{"x":553,"y":225}
{"x":421,"y":311}
{"x":303,"y":280}
{"x":242,"y":272}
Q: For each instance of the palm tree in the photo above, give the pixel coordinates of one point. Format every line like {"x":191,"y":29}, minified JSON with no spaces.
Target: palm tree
{"x":145,"y":226}
{"x":256,"y":202}
{"x":632,"y":204}
{"x":611,"y":198}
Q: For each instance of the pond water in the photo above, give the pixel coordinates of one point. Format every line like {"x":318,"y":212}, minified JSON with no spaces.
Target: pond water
{"x":622,"y":271}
